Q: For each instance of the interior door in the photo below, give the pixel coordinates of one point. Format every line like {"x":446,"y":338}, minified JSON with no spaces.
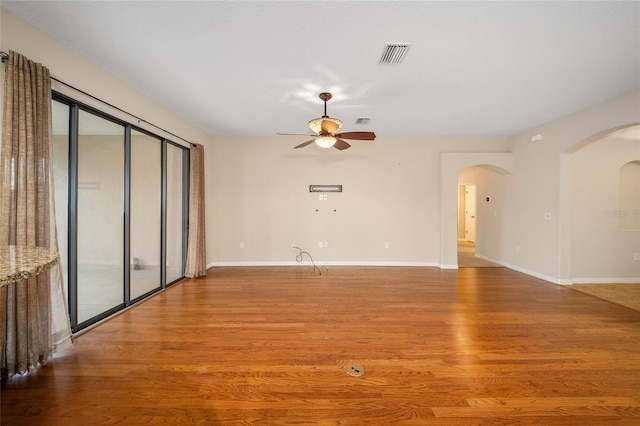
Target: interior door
{"x":470,"y":213}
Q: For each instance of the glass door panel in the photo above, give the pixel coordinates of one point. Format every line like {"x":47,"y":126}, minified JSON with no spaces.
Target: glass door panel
{"x":60,"y":118}
{"x":100,"y":205}
{"x":175,"y":213}
{"x":146,"y":190}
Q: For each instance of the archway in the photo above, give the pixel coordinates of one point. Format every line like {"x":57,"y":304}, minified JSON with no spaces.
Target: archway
{"x":452,"y":165}
{"x":599,"y":203}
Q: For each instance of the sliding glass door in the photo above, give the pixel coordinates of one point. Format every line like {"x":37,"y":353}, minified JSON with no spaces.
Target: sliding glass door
{"x":121,"y":201}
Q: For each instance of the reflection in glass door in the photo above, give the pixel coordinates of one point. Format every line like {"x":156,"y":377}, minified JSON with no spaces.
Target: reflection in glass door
{"x":100,"y":219}
{"x":145,"y":209}
{"x":176,"y":212}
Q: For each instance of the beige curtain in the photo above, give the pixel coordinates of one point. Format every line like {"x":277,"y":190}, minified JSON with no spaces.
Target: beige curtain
{"x":34,"y":319}
{"x":196,"y":244}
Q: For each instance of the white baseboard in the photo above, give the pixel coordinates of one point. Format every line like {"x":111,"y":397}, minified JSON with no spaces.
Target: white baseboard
{"x":606,"y":281}
{"x":322,"y":263}
{"x":448,"y":266}
{"x":544,"y":277}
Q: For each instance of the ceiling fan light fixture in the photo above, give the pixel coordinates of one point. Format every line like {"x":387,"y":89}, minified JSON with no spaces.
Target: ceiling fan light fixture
{"x":327,"y":130}
{"x":325,"y":141}
{"x":316,"y":124}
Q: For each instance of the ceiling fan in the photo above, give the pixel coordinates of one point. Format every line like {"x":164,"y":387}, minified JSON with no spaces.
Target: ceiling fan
{"x":326,"y":127}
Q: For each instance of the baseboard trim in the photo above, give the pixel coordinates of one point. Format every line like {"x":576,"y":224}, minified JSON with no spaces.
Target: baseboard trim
{"x":324,"y":263}
{"x":606,"y":281}
{"x":526,"y":271}
{"x":448,"y":266}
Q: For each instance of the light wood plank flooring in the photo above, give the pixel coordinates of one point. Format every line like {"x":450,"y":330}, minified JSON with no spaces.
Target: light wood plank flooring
{"x":623,"y":294}
{"x":271,"y":346}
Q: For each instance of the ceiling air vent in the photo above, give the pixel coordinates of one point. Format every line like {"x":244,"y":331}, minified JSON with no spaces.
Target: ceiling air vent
{"x":394,"y":53}
{"x":363,"y":120}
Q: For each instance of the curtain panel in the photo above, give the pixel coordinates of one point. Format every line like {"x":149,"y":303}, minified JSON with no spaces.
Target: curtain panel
{"x":34,"y":320}
{"x":196,"y":265}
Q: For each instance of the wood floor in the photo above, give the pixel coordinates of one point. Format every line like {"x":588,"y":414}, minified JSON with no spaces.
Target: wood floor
{"x":467,"y":257}
{"x":623,"y":294}
{"x":272,"y":346}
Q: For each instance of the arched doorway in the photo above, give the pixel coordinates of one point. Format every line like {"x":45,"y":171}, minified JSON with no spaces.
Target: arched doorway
{"x":452,"y":165}
{"x":601,"y":207}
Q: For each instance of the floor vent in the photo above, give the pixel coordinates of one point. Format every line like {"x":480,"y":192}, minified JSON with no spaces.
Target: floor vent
{"x":394,"y":53}
{"x":355,"y":370}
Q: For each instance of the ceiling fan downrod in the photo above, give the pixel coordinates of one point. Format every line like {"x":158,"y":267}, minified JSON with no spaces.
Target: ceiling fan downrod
{"x":325,"y":96}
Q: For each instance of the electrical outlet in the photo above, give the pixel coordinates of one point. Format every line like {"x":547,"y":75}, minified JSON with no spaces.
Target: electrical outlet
{"x":320,"y":244}
{"x":636,"y":257}
{"x":294,"y":246}
{"x":326,"y":244}
{"x":386,"y":244}
{"x":241,"y":245}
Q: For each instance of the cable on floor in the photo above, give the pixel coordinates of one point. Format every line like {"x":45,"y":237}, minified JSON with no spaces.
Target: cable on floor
{"x":299,"y":258}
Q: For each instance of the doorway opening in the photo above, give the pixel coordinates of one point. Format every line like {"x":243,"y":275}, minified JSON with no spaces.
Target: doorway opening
{"x":467,"y":221}
{"x":466,"y":225}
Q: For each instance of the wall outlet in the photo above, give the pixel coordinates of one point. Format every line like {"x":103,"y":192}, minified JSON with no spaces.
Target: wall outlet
{"x":386,"y":244}
{"x":547,"y":216}
{"x":241,"y":245}
{"x":636,"y":257}
{"x":326,"y":244}
{"x":320,"y":244}
{"x":294,"y":246}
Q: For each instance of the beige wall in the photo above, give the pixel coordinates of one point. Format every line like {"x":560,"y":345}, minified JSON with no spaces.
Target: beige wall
{"x":543,"y":183}
{"x":391,"y":193}
{"x":604,"y":242}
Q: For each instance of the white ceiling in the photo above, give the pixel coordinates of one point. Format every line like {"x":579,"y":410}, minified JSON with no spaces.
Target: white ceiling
{"x":254,"y":68}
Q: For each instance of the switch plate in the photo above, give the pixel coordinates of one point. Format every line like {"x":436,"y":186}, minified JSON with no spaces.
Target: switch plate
{"x":241,"y":245}
{"x":636,"y":257}
{"x":386,"y":244}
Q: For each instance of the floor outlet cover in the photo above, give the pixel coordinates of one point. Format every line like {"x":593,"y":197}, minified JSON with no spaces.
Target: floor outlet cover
{"x":355,"y":370}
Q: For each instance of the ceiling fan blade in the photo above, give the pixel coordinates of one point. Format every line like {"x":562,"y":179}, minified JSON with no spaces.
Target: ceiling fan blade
{"x":295,"y":134}
{"x":340,"y":144}
{"x":361,"y":136}
{"x":303,"y":144}
{"x":329,"y":126}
